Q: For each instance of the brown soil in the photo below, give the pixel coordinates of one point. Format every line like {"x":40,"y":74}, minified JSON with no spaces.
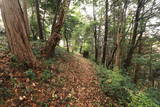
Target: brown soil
{"x":74,"y":84}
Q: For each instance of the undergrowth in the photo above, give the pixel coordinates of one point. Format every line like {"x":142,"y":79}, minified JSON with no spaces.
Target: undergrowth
{"x":118,"y":85}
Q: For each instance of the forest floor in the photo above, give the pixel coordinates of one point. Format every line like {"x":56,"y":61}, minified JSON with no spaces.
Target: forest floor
{"x":71,"y":82}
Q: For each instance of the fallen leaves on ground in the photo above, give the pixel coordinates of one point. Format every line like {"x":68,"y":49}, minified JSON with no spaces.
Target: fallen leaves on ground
{"x":74,"y":84}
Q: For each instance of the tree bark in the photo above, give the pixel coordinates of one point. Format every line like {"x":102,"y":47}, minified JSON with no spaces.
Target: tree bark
{"x":67,"y":40}
{"x":138,"y":67}
{"x":151,"y":66}
{"x":118,"y":51}
{"x":95,"y":33}
{"x":43,"y":20}
{"x":134,"y":37}
{"x":81,"y":48}
{"x":55,"y":37}
{"x":56,"y":14}
{"x":106,"y":34}
{"x":14,"y":21}
{"x":40,"y":29}
{"x":25,"y":6}
{"x":121,"y":32}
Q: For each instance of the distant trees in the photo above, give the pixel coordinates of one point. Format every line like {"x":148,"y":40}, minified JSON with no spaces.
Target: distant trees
{"x":119,"y":38}
{"x":121,"y":33}
{"x":69,"y":27}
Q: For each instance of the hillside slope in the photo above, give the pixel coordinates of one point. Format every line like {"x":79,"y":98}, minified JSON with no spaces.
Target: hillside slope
{"x":69,"y":81}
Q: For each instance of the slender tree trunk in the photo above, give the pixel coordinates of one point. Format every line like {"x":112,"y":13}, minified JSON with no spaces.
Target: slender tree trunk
{"x":117,"y":61}
{"x":14,"y":21}
{"x":112,"y":57}
{"x":98,"y":38}
{"x":40,"y":29}
{"x":117,"y":38}
{"x":56,"y":14}
{"x":121,"y":32}
{"x":81,"y":47}
{"x":150,"y":65}
{"x":106,"y":34}
{"x":134,"y":37}
{"x":67,"y":45}
{"x":43,"y":20}
{"x":66,"y":38}
{"x":67,"y":42}
{"x":139,"y":44}
{"x":138,"y":67}
{"x":95,"y":32}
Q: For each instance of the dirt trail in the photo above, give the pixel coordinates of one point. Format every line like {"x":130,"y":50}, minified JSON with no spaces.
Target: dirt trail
{"x":74,"y":84}
{"x":82,"y":84}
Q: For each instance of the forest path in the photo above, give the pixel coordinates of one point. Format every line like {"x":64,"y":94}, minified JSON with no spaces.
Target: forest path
{"x":74,"y":84}
{"x":81,"y":85}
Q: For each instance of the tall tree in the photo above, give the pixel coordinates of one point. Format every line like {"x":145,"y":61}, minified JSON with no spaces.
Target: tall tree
{"x":132,"y":47}
{"x":55,"y":37}
{"x":95,"y":32}
{"x":121,"y":31}
{"x":106,"y":33}
{"x":40,"y":29}
{"x":57,"y":10}
{"x":16,"y":32}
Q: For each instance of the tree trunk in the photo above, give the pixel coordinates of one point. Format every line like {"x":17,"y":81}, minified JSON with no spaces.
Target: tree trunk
{"x":43,"y":20}
{"x":55,"y":37}
{"x":67,"y":45}
{"x":106,"y":34}
{"x":139,"y":44}
{"x":40,"y":30}
{"x":150,"y":66}
{"x":67,"y":42}
{"x":138,"y":67}
{"x":95,"y":32}
{"x":117,"y":61}
{"x":112,"y":57}
{"x":134,"y":37}
{"x":120,"y":35}
{"x":56,"y":15}
{"x":16,"y":32}
{"x":81,"y":48}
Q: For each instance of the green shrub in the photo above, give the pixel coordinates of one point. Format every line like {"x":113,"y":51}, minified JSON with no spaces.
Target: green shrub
{"x":50,"y":61}
{"x":30,"y":74}
{"x":42,"y":104}
{"x":16,"y":64}
{"x":141,"y":99}
{"x":14,"y":61}
{"x":154,"y":94}
{"x":119,"y":86}
{"x":5,"y":93}
{"x":36,"y":52}
{"x":116,"y":84}
{"x":36,"y":46}
{"x":46,"y":74}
